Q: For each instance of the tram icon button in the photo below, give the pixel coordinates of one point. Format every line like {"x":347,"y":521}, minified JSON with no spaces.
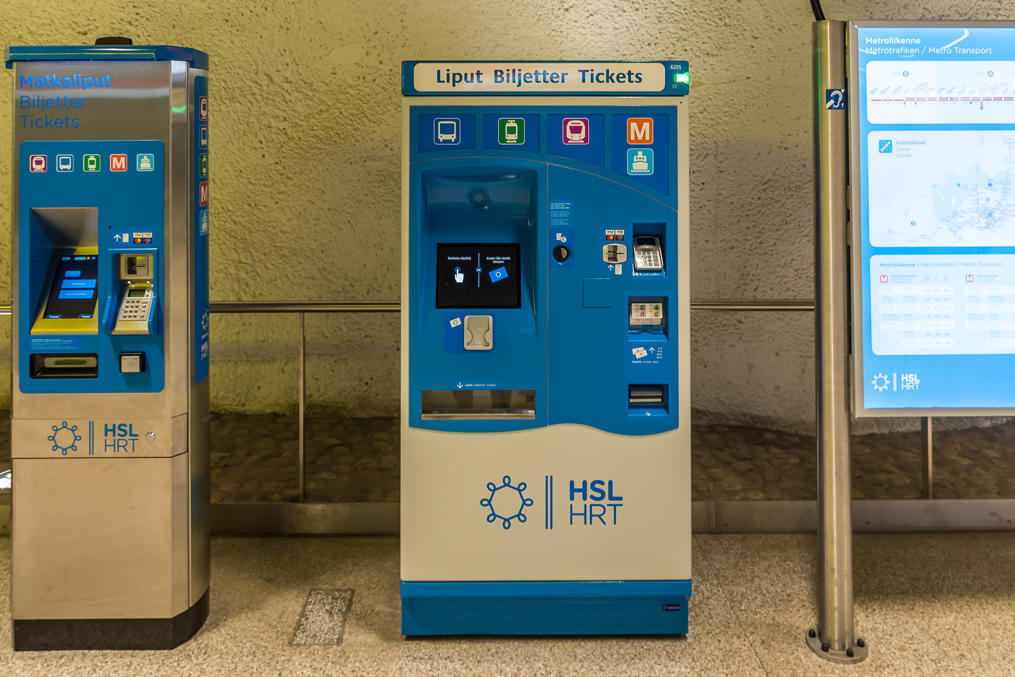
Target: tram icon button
{"x":202,"y":107}
{"x":511,"y":131}
{"x":92,"y":163}
{"x":37,"y":164}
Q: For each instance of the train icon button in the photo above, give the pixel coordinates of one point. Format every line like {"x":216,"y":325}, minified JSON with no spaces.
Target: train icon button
{"x":575,"y":131}
{"x":37,"y":164}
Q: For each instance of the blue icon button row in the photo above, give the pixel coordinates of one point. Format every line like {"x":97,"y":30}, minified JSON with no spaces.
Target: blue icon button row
{"x":90,"y":162}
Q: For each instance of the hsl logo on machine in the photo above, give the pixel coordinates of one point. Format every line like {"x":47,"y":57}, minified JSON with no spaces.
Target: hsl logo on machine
{"x":506,"y":502}
{"x":591,"y":503}
{"x":120,"y":438}
{"x":596,"y":503}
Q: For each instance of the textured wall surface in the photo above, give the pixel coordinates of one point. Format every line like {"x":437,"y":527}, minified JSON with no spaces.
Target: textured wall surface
{"x":305,"y":168}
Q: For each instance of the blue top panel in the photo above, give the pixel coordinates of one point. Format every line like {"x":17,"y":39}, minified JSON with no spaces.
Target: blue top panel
{"x":545,"y":78}
{"x":195,"y":58}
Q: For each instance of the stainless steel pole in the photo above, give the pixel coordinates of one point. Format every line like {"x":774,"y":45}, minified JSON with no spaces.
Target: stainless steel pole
{"x":927,"y":455}
{"x":301,"y":490}
{"x":834,"y":637}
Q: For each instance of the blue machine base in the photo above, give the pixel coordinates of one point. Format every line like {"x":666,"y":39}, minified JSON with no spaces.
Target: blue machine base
{"x":545,"y":608}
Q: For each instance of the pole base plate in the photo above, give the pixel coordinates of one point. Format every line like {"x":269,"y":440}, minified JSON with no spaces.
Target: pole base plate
{"x":854,"y":654}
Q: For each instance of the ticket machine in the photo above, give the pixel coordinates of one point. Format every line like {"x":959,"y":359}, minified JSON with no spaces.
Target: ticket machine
{"x":110,"y":346}
{"x":545,"y":372}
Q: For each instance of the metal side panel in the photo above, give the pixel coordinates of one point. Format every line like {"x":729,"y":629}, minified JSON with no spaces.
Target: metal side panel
{"x":109,"y":555}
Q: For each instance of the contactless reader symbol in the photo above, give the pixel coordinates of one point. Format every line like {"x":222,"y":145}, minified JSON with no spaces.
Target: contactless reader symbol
{"x":65,"y":438}
{"x":447,"y":131}
{"x":459,"y":275}
{"x":498,"y":274}
{"x":640,"y":161}
{"x":575,"y":131}
{"x":506,"y":502}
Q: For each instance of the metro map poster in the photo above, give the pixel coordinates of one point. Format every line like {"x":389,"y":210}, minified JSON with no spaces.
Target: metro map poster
{"x":932,"y":134}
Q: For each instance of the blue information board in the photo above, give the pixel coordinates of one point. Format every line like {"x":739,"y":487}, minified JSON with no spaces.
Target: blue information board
{"x":932,"y":134}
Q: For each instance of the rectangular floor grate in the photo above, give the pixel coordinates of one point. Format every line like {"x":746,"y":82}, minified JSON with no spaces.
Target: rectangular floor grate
{"x":322,"y":622}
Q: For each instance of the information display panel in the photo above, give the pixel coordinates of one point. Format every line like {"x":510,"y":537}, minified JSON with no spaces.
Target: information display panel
{"x":932,"y":148}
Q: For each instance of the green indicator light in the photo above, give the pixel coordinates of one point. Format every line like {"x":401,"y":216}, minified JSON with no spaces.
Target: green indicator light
{"x":684,"y":78}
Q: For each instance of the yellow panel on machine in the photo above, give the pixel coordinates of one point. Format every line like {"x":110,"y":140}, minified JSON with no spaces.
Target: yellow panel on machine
{"x":71,"y":301}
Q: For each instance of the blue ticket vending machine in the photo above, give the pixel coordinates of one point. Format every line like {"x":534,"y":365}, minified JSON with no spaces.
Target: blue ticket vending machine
{"x":110,"y":346}
{"x":545,"y":370}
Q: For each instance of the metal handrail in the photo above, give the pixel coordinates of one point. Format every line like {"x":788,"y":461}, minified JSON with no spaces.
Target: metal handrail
{"x":748,"y":305}
{"x":301,"y":308}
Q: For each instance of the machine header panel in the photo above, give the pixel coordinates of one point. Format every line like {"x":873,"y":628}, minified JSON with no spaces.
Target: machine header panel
{"x":621,"y":78}
{"x":932,"y":128}
{"x":194,"y":57}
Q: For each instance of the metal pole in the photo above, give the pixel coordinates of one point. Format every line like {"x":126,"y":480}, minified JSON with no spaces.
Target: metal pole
{"x":834,"y":638}
{"x":927,"y":455}
{"x":301,"y":492}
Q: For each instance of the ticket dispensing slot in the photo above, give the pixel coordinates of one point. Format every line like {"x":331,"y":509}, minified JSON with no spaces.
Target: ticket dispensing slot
{"x":478,"y":404}
{"x":646,"y":396}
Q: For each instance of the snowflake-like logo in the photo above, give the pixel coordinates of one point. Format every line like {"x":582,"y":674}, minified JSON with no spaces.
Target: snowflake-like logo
{"x":880,"y":382}
{"x":506,"y":502}
{"x":65,"y":438}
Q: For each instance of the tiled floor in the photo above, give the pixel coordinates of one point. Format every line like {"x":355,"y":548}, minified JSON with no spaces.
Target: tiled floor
{"x":926,"y":604}
{"x":253,"y":458}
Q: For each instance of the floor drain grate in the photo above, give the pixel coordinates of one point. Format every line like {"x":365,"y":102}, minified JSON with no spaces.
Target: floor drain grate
{"x":322,"y":622}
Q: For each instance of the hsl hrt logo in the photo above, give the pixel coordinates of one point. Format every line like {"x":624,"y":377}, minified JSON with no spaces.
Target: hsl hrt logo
{"x":506,"y":502}
{"x":120,"y":438}
{"x":595,"y":502}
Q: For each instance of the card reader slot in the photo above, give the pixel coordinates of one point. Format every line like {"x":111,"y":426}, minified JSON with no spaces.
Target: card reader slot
{"x":478,"y":404}
{"x":64,"y":365}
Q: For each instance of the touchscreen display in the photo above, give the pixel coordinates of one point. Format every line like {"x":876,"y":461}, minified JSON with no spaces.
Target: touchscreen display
{"x":478,"y":276}
{"x":73,"y":292}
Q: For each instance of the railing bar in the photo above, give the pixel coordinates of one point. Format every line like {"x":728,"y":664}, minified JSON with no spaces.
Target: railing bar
{"x":720,"y":305}
{"x":301,"y":492}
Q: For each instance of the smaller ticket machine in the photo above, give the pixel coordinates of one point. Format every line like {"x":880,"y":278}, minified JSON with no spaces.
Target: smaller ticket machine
{"x":110,"y":346}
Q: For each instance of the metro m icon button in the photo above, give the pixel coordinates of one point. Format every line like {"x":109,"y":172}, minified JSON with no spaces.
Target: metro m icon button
{"x":639,"y":131}
{"x":117,"y":163}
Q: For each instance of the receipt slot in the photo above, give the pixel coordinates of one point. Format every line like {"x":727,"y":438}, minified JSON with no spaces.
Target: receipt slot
{"x":545,"y":369}
{"x":110,"y":347}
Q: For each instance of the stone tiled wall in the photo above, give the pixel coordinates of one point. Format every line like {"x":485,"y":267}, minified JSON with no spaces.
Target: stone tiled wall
{"x":305,"y":157}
